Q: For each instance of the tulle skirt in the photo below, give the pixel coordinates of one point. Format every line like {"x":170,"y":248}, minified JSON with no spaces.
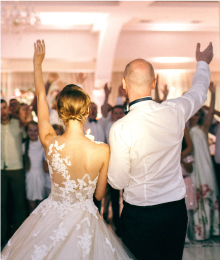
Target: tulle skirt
{"x":54,"y":232}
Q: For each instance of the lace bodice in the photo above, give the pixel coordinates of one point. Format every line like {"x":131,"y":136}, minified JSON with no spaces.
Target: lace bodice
{"x":68,"y":190}
{"x":66,"y":225}
{"x":67,"y":193}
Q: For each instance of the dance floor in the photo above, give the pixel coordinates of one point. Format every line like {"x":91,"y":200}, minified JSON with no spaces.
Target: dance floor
{"x":205,"y":250}
{"x":195,"y":250}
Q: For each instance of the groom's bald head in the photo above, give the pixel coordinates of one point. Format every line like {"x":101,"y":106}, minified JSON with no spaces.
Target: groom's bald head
{"x":139,"y":74}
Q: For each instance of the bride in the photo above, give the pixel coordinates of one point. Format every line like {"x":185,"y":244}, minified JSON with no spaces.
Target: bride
{"x":67,"y":225}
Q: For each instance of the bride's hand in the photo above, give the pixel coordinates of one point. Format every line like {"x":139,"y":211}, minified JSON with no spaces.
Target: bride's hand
{"x":39,"y":52}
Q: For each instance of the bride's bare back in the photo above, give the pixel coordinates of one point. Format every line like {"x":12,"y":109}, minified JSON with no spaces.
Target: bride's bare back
{"x":78,"y":158}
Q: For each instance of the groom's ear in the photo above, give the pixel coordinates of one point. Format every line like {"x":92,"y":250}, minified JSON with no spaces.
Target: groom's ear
{"x":124,"y":83}
{"x":154,"y":83}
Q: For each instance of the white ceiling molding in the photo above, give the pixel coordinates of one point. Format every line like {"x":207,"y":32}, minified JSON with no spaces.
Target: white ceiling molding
{"x":125,"y":30}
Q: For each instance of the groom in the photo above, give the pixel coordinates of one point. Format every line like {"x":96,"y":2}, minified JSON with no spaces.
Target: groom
{"x":145,"y":160}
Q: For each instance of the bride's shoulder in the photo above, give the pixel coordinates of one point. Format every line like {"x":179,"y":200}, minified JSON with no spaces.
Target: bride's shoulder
{"x":102,"y":146}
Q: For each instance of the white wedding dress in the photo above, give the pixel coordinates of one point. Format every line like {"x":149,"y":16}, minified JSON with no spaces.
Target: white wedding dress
{"x":66,"y":225}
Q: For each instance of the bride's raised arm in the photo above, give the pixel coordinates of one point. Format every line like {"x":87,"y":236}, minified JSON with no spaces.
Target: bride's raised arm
{"x":46,"y":131}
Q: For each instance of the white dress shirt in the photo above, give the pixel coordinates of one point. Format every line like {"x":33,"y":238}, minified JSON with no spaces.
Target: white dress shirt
{"x":11,"y":145}
{"x":104,"y":121}
{"x":146,"y":145}
{"x":107,"y":130}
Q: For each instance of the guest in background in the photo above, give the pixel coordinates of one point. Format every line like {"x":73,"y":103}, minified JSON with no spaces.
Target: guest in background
{"x":117,"y":113}
{"x":53,"y":76}
{"x":106,"y":110}
{"x":34,"y":157}
{"x":12,"y":172}
{"x":217,"y":152}
{"x":215,"y":130}
{"x":14,"y":108}
{"x":105,"y":121}
{"x":190,"y":196}
{"x":93,"y":124}
{"x":165,"y":92}
{"x":206,"y":216}
{"x":53,"y":114}
{"x":25,"y":115}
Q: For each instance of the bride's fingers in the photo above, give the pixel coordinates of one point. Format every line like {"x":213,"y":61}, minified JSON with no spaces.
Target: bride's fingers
{"x":43,"y":46}
{"x":39,"y":47}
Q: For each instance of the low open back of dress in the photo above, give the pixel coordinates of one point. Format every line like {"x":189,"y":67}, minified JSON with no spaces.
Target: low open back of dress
{"x":69,"y":182}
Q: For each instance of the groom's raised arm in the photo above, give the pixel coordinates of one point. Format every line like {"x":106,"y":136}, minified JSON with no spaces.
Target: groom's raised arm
{"x":119,"y":164}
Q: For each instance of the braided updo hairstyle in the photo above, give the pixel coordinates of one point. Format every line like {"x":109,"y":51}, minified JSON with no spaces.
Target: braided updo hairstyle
{"x":73,"y":103}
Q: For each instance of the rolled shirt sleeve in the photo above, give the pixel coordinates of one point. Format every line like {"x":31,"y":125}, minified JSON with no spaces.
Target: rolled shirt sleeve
{"x":195,"y":97}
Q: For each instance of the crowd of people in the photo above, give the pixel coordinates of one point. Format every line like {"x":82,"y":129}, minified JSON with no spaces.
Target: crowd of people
{"x":25,"y":174}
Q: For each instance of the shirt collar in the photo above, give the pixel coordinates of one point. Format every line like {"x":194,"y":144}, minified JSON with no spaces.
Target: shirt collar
{"x":135,"y":102}
{"x":139,"y":100}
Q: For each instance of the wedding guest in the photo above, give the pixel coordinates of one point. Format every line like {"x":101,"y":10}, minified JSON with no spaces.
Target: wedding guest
{"x":145,"y":161}
{"x":12,"y":172}
{"x":25,"y":115}
{"x":215,"y":130}
{"x":203,"y":175}
{"x":106,"y":110}
{"x":217,"y":154}
{"x":117,"y":113}
{"x":34,"y":157}
{"x":190,"y":196}
{"x":53,"y":113}
{"x":93,"y":124}
{"x":53,"y":76}
{"x":165,"y":92}
{"x":14,"y":107}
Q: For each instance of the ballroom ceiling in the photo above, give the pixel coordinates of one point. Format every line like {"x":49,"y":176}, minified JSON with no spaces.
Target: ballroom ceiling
{"x":103,"y":36}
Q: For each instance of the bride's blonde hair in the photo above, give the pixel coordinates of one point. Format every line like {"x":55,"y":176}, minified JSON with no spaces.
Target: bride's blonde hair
{"x":73,"y":103}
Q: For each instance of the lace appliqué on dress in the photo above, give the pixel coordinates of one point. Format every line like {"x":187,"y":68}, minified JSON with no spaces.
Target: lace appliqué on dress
{"x":85,"y":243}
{"x":109,"y":243}
{"x":41,"y":251}
{"x":86,"y":239}
{"x":4,"y":257}
{"x":78,"y":226}
{"x":73,"y":194}
{"x":64,"y":199}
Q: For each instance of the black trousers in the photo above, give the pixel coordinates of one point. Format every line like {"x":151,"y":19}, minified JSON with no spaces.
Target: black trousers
{"x":16,"y":179}
{"x":155,"y":232}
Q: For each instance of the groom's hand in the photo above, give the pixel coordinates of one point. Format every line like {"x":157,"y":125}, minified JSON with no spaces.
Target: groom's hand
{"x":206,"y":55}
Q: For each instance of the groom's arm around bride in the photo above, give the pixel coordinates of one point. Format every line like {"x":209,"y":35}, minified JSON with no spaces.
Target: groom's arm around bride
{"x":145,"y":160}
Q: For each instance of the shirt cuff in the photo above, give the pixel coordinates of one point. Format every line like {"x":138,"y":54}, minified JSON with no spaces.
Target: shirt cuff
{"x":203,"y":65}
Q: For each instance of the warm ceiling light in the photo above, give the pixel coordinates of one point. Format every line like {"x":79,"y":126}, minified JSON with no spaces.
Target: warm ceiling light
{"x":172,"y":59}
{"x":170,"y":27}
{"x":69,"y":19}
